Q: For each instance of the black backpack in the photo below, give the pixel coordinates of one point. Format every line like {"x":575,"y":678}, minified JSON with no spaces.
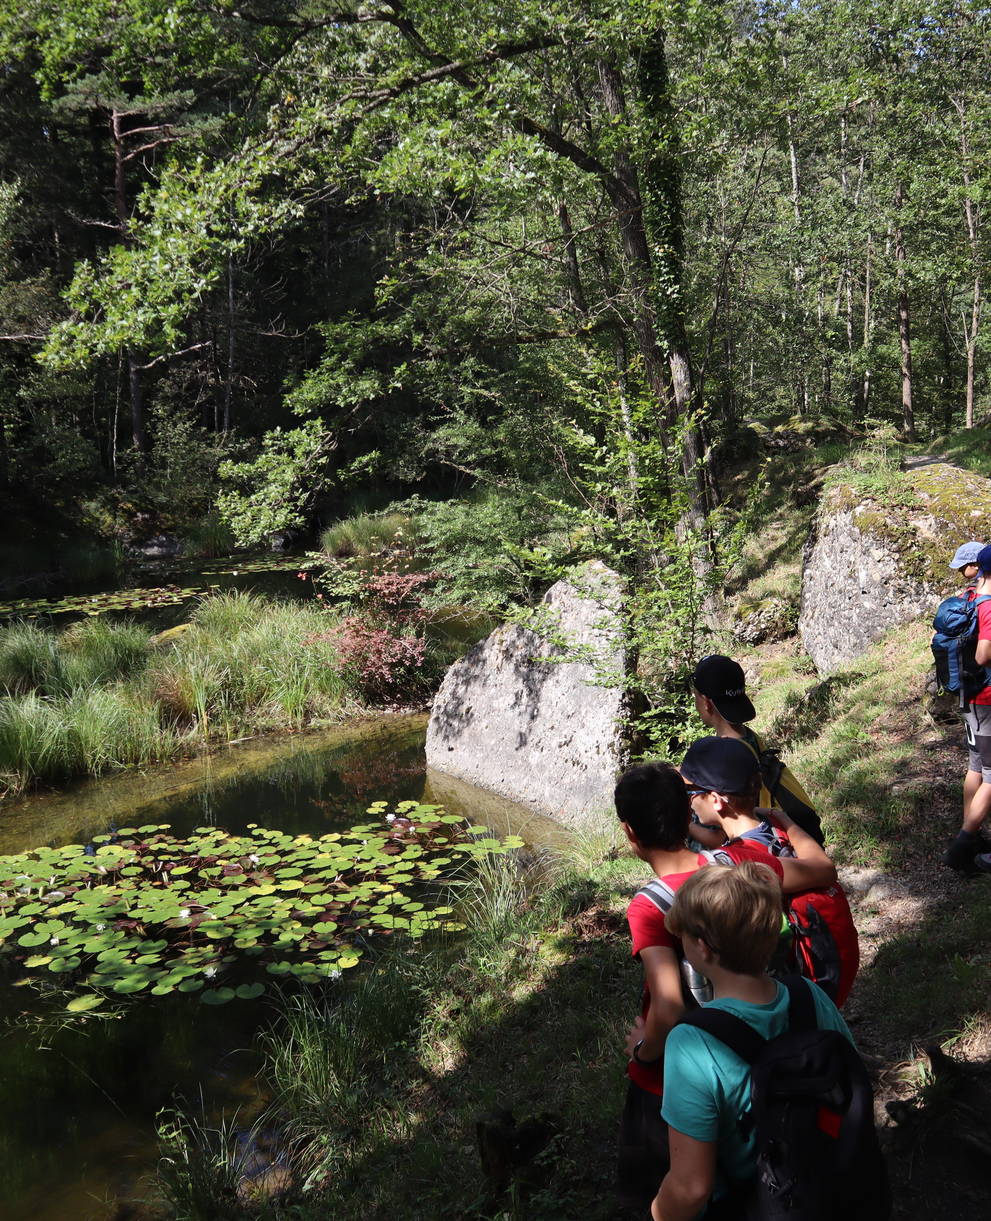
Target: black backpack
{"x":812,"y":1116}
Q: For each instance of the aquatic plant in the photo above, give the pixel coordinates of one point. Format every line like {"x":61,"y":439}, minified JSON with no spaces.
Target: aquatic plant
{"x":222,"y":915}
{"x":99,"y":604}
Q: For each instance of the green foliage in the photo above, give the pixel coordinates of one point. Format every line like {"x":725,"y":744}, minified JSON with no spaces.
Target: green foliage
{"x":224,"y":915}
{"x":493,"y":549}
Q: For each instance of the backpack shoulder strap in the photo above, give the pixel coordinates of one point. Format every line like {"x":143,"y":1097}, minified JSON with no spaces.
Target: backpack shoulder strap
{"x":659,"y":893}
{"x":739,"y":1036}
{"x":801,"y":1004}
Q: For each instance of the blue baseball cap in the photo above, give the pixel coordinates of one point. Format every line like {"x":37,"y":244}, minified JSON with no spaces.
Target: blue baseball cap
{"x":966,"y":553}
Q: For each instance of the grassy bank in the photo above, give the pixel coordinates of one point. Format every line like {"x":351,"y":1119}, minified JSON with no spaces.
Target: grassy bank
{"x":101,"y":696}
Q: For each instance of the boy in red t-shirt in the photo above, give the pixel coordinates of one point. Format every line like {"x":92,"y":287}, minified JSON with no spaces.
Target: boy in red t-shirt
{"x":653,"y":804}
{"x":725,"y":779}
{"x":977,"y":727}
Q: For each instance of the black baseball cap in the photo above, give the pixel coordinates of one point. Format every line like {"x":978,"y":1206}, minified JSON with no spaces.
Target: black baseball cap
{"x":720,"y":765}
{"x":721,"y":679}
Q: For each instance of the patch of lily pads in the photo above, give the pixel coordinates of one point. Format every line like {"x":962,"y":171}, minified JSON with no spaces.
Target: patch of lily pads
{"x":101,"y":604}
{"x":270,"y":564}
{"x":223,"y":916}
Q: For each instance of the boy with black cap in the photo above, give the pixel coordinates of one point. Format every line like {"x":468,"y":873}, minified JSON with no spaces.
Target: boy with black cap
{"x":721,"y":701}
{"x":977,"y":728}
{"x":723,"y":779}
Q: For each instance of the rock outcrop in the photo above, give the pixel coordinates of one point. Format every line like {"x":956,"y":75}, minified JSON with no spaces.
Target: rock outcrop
{"x":874,"y":562}
{"x":537,"y":716}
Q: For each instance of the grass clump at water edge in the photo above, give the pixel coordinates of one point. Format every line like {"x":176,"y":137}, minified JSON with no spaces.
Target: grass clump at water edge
{"x":101,"y":696}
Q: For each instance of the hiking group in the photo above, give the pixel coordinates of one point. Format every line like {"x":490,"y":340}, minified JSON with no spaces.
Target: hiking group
{"x":746,"y":1096}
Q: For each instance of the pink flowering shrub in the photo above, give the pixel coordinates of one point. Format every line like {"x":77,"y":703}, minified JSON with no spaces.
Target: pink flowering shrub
{"x":381,"y":641}
{"x":377,"y":662}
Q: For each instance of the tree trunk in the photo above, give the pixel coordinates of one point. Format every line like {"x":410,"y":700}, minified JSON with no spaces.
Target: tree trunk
{"x":971,"y":216}
{"x":138,"y":434}
{"x":904,"y":321}
{"x":664,"y":221}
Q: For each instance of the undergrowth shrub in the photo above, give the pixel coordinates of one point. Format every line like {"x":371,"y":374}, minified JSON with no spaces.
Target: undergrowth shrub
{"x":383,"y":653}
{"x":368,"y":535}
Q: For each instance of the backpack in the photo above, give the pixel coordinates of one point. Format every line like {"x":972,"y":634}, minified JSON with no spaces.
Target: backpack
{"x":784,"y":791}
{"x":812,"y":1117}
{"x":818,"y":936}
{"x":954,"y":646}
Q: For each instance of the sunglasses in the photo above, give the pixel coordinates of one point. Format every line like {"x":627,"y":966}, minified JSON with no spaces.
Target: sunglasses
{"x":696,"y":792}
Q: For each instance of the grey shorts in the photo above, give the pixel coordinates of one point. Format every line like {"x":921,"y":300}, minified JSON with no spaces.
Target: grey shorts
{"x":977,"y":727}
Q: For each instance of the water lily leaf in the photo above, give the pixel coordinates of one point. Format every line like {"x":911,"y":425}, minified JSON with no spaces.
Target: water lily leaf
{"x":248,"y":992}
{"x":38,"y":960}
{"x":217,"y":996}
{"x":191,"y":984}
{"x":84,"y":1003}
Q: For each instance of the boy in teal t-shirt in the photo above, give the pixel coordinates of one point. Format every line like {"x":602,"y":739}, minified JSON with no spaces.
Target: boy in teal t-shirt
{"x":728,"y":919}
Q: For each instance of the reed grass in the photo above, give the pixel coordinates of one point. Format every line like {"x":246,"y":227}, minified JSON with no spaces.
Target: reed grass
{"x":100,"y":696}
{"x":367,"y":534}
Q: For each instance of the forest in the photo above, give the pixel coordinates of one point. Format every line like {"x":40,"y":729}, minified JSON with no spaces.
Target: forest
{"x":529,"y":267}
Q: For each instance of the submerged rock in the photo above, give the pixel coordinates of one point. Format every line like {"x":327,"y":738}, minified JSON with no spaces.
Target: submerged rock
{"x":877,"y":560}
{"x":538,"y":716}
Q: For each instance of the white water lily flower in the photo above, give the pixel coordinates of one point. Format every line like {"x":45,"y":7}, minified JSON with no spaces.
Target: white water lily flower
{"x":54,"y":941}
{"x":183,"y":913}
{"x":210,"y":972}
{"x":390,"y":818}
{"x":334,"y":975}
{"x":253,"y":858}
{"x":100,"y":927}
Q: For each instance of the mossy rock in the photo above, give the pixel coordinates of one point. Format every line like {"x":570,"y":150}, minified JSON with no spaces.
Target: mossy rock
{"x":879,"y":556}
{"x":922,"y":518}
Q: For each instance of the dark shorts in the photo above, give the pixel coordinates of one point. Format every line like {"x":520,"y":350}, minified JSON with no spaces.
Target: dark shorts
{"x":977,"y":727}
{"x":643,"y":1149}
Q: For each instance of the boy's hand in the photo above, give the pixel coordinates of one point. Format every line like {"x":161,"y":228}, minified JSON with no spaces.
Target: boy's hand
{"x":635,"y":1035}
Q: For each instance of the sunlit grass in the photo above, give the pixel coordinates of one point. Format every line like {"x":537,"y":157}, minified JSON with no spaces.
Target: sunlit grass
{"x":100,"y":696}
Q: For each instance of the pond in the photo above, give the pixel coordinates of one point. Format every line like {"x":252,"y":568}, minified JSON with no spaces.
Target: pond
{"x":78,"y":1109}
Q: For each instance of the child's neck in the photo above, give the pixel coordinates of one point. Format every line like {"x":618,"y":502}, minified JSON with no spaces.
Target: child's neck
{"x":664,"y":861}
{"x":729,"y":985}
{"x":737,"y":822}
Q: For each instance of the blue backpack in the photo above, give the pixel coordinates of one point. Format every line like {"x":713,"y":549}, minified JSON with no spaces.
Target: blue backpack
{"x":954,"y":646}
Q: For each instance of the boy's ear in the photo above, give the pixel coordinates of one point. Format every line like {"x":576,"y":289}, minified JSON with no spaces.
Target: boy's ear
{"x":631,"y":835}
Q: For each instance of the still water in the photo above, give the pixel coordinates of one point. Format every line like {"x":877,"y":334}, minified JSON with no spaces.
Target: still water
{"x":78,"y":1105}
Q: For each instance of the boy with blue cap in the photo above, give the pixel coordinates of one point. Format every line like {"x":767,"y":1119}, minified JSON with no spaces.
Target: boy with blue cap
{"x":963,"y":853}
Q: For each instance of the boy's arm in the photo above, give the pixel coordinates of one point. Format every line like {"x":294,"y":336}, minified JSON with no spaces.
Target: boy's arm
{"x":812,"y":870}
{"x":688,"y":1185}
{"x":663,"y":976}
{"x":708,"y":835}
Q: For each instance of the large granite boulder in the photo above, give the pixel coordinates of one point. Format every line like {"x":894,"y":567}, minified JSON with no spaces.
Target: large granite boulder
{"x":538,"y":716}
{"x":874,"y":562}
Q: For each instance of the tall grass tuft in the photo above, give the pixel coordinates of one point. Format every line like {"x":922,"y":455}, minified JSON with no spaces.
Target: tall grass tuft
{"x":99,"y":697}
{"x":367,"y":534}
{"x":97,"y":651}
{"x":30,"y":660}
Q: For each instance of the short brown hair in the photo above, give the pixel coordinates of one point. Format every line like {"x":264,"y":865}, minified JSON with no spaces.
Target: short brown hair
{"x":735,"y":909}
